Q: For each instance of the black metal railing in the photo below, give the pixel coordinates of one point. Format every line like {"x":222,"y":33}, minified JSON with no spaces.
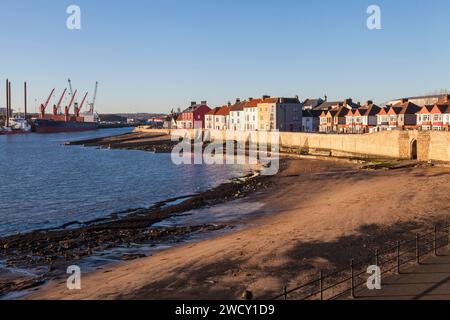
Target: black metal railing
{"x":330,"y":286}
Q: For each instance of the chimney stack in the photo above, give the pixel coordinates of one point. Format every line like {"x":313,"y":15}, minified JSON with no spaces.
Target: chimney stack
{"x":204,"y":103}
{"x":193,"y":103}
{"x":404,"y":100}
{"x":266,"y":97}
{"x":348,"y":101}
{"x":238,"y":100}
{"x":369,"y":102}
{"x":250,"y":99}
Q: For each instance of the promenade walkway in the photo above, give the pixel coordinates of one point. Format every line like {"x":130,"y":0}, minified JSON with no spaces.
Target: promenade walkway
{"x":428,"y":281}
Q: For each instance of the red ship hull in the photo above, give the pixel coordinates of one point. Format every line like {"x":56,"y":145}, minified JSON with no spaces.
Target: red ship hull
{"x":55,"y":126}
{"x":14,"y":132}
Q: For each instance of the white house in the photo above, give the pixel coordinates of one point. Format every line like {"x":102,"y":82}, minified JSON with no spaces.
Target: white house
{"x":237,"y":116}
{"x":210,"y":119}
{"x":252,"y":114}
{"x":221,"y":118}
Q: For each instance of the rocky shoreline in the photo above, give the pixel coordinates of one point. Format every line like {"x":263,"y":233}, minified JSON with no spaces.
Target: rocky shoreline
{"x":49,"y":250}
{"x":153,"y":142}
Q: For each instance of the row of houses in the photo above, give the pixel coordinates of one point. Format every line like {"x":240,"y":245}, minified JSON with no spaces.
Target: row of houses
{"x":316,"y":115}
{"x":262,"y":114}
{"x":349,"y":117}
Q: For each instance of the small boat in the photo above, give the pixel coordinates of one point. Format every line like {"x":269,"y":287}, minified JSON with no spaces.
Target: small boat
{"x":17,"y":125}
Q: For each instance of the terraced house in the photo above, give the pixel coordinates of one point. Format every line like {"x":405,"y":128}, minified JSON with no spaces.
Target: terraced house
{"x":237,"y":116}
{"x":435,"y":117}
{"x":210,"y":118}
{"x":403,"y":116}
{"x":363,"y":119}
{"x":251,"y":111}
{"x":193,"y":115}
{"x":221,"y":118}
{"x":327,"y":119}
{"x":283,"y":114}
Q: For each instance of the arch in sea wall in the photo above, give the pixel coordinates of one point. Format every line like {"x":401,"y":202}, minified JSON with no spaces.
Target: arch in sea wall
{"x":429,"y":145}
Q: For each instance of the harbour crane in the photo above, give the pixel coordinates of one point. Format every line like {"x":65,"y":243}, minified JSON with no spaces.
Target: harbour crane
{"x":92,"y":105}
{"x":70,"y":87}
{"x":78,"y":108}
{"x":44,"y":106}
{"x":57,"y":107}
{"x":67,"y":108}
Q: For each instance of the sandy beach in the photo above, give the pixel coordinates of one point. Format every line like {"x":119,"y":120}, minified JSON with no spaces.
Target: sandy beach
{"x":316,"y":215}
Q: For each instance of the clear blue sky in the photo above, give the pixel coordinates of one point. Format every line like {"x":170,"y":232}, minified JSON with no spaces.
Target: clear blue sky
{"x":152,"y":55}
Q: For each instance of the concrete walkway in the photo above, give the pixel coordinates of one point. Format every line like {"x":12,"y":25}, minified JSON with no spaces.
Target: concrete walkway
{"x":428,"y":281}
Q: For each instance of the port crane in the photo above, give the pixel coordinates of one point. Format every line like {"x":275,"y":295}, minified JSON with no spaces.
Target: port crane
{"x":70,"y":88}
{"x":92,"y":105}
{"x":77,"y":109}
{"x":57,"y":107}
{"x":44,"y":106}
{"x":67,"y":108}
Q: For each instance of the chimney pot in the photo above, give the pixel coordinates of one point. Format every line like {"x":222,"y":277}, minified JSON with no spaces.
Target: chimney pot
{"x":193,"y":103}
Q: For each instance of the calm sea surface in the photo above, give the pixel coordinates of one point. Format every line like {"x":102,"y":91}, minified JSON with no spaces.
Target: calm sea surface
{"x":46,"y":184}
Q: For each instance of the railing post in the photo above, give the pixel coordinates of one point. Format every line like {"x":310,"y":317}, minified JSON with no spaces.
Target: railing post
{"x":352,"y":284}
{"x":398,"y":257}
{"x":435,"y":241}
{"x":417,"y":249}
{"x":321,"y":285}
{"x":285,"y":292}
{"x":448,"y":234}
{"x":376,"y":257}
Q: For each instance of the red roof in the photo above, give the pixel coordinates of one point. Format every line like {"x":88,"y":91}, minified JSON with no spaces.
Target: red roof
{"x":436,"y":109}
{"x":223,"y":111}
{"x":384,"y":111}
{"x":253,"y":103}
{"x":213,"y":111}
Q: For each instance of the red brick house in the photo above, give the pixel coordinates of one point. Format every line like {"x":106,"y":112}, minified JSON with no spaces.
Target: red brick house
{"x":435,"y":117}
{"x":194,"y":114}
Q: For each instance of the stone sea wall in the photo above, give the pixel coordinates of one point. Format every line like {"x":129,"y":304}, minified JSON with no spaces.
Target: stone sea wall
{"x":423,"y":145}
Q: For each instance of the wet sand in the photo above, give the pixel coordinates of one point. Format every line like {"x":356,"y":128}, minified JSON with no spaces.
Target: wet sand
{"x":315,"y":215}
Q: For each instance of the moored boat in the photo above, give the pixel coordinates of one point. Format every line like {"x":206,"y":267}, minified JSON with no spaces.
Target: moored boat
{"x":17,"y":125}
{"x":56,"y":126}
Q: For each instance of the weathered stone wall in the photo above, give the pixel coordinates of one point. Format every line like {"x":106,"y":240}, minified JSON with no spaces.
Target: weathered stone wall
{"x":392,"y":144}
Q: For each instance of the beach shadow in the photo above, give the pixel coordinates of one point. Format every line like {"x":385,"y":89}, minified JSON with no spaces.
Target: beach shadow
{"x":202,"y":281}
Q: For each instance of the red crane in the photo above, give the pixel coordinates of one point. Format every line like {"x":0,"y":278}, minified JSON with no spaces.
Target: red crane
{"x":66,"y":110}
{"x":44,"y":106}
{"x":78,"y":109}
{"x":57,"y":107}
